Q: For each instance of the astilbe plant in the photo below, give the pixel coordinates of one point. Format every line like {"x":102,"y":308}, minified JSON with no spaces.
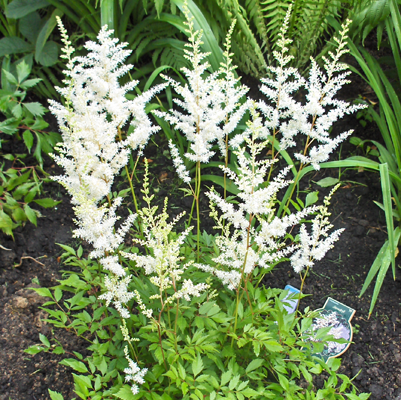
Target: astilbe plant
{"x":183,"y":333}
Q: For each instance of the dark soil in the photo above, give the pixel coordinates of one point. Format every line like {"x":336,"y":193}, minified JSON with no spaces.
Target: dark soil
{"x":374,"y":358}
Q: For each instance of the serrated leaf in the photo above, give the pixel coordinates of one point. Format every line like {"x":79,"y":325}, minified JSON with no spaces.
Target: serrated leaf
{"x":55,"y":395}
{"x":17,"y":111}
{"x":10,"y":77}
{"x":28,"y":139}
{"x":35,"y":108}
{"x":31,"y":215}
{"x":28,"y":84}
{"x":125,"y":393}
{"x":23,"y":71}
{"x":6,"y":223}
{"x":225,"y":377}
{"x":197,"y":365}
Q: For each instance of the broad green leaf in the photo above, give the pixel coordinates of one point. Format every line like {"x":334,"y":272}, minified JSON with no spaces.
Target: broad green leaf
{"x":44,"y":292}
{"x":14,"y":45}
{"x":49,"y":54}
{"x":19,"y":8}
{"x":44,"y":340}
{"x":31,"y":215}
{"x":254,"y":364}
{"x":35,"y":349}
{"x":329,"y":181}
{"x":29,"y":26}
{"x":47,"y":202}
{"x":43,"y":36}
{"x":74,"y":364}
{"x":311,"y":198}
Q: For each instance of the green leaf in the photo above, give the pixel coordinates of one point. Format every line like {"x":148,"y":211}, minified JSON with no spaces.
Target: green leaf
{"x":19,"y":8}
{"x":29,"y":26}
{"x":44,"y":292}
{"x":44,"y":340}
{"x":14,"y":45}
{"x":28,"y":84}
{"x":225,"y":377}
{"x":311,"y":198}
{"x":74,"y":364}
{"x":28,"y":139}
{"x":272,"y":345}
{"x":329,"y":181}
{"x":50,"y":53}
{"x":23,"y":71}
{"x":6,"y":223}
{"x":197,"y":365}
{"x":125,"y":393}
{"x":47,"y":202}
{"x":17,"y":111}
{"x":10,"y":77}
{"x":35,"y":108}
{"x":35,"y":349}
{"x":254,"y":364}
{"x":386,"y":190}
{"x":55,"y":395}
{"x":31,"y":215}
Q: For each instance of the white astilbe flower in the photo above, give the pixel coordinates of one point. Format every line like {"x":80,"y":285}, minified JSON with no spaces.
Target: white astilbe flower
{"x":134,"y":373}
{"x":96,"y":226}
{"x":117,"y":292}
{"x":211,"y":103}
{"x":286,"y":117}
{"x":182,"y":172}
{"x":111,"y":263}
{"x":314,"y":247}
{"x":95,"y":112}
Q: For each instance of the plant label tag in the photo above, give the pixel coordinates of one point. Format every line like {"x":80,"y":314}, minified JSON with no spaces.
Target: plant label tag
{"x":290,"y":301}
{"x":338,"y":316}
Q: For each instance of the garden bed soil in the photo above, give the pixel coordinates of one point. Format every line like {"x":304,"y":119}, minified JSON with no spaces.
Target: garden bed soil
{"x":374,"y":357}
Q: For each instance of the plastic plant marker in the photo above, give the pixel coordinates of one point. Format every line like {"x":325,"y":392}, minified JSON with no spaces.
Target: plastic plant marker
{"x":338,"y":316}
{"x":290,"y":301}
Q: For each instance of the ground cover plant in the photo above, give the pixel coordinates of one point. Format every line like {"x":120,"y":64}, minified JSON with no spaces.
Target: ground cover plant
{"x":189,"y":324}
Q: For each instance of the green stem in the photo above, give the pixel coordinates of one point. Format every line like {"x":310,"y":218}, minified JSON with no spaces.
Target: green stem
{"x":197,"y":194}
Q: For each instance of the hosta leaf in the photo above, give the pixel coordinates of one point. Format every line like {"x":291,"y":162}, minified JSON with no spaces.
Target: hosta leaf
{"x":19,"y":8}
{"x":14,"y":45}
